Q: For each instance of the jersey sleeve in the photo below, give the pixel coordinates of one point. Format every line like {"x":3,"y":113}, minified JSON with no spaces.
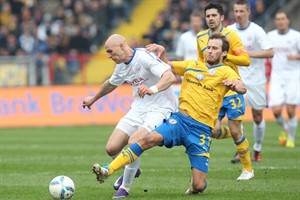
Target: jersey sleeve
{"x":154,"y":64}
{"x":239,"y":55}
{"x":230,"y":74}
{"x":115,"y":78}
{"x":263,"y":39}
{"x":180,"y":67}
{"x":199,"y":48}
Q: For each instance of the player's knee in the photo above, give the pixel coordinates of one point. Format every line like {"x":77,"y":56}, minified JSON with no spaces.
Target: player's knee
{"x":199,"y":186}
{"x":111,"y":151}
{"x":215,"y":132}
{"x":257,"y":119}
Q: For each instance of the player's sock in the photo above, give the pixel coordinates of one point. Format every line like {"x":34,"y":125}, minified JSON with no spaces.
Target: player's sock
{"x":129,"y":174}
{"x":224,"y":133}
{"x":292,"y":127}
{"x":125,"y":157}
{"x":259,"y":133}
{"x":280,"y":120}
{"x":242,"y":148}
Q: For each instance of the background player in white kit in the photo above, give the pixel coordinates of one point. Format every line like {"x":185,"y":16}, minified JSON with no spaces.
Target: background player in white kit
{"x":187,"y":44}
{"x":285,"y":77}
{"x":139,"y":68}
{"x":258,"y":47}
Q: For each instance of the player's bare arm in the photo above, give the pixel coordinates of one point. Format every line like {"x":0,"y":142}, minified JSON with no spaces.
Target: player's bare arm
{"x":268,"y":53}
{"x":235,"y":85}
{"x":293,"y":57}
{"x":105,"y":88}
{"x":167,"y":79}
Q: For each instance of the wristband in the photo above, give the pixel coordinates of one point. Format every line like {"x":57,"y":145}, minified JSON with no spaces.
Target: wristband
{"x":154,"y":89}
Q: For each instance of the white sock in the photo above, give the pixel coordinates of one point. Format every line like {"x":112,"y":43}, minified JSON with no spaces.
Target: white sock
{"x":280,"y":120}
{"x":129,"y":173}
{"x":259,"y":134}
{"x":292,"y":127}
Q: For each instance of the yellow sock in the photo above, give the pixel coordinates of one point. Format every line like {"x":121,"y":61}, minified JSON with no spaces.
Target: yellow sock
{"x":224,"y":133}
{"x":124,"y":158}
{"x":242,"y":148}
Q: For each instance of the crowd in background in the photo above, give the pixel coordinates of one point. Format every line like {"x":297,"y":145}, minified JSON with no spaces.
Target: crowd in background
{"x":42,"y":28}
{"x":58,"y":26}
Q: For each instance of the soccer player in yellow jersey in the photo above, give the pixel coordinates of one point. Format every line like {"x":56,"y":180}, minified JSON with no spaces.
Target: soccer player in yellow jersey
{"x":233,"y":103}
{"x":203,"y":88}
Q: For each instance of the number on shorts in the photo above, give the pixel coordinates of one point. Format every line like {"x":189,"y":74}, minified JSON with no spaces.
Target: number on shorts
{"x":236,"y":103}
{"x":203,"y":139}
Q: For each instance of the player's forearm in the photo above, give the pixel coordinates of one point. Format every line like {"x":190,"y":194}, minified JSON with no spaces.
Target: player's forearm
{"x":166,"y":81}
{"x":294,"y":57}
{"x":262,"y":54}
{"x":105,"y":88}
{"x":241,"y":60}
{"x":239,"y":86}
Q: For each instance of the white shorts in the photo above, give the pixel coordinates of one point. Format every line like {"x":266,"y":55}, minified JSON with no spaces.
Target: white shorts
{"x":256,"y":96}
{"x":134,"y":120}
{"x":284,"y":91}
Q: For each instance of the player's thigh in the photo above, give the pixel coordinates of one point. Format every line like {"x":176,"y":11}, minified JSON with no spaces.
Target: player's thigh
{"x":256,"y":96}
{"x":276,"y":93}
{"x":200,"y":171}
{"x":292,"y":89}
{"x":234,"y":107}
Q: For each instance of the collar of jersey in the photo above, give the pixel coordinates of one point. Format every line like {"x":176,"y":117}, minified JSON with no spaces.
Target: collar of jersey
{"x":134,"y":50}
{"x":219,"y":31}
{"x":241,"y":29}
{"x":214,"y":66}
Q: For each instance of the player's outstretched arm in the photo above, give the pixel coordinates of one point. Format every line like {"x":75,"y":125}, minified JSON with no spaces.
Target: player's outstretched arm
{"x":236,"y":85}
{"x":105,"y":88}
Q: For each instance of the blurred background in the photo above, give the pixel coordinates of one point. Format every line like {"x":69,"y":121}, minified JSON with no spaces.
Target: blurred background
{"x":51,"y":52}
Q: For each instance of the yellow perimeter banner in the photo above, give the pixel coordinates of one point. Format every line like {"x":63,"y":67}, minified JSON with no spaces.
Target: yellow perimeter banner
{"x":62,"y":105}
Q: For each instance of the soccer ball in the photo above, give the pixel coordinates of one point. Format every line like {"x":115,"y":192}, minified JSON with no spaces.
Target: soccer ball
{"x":62,"y":187}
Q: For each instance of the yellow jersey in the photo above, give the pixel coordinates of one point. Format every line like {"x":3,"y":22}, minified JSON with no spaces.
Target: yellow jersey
{"x":237,"y":54}
{"x":202,"y":89}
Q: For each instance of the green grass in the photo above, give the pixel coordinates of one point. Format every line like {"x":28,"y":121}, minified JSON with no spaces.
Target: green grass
{"x":31,"y":157}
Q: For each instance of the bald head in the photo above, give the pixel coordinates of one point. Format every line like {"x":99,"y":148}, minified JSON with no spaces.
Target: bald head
{"x":117,"y":48}
{"x":115,"y":39}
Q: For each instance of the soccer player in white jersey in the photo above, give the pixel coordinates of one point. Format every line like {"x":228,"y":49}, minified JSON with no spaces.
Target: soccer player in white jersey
{"x":258,"y":47}
{"x":147,"y":74}
{"x":285,"y":77}
{"x":187,"y":44}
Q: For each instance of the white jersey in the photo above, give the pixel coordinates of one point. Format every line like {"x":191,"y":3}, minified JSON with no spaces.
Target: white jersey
{"x":187,"y":46}
{"x":254,"y":38}
{"x":144,"y":68}
{"x":284,"y":45}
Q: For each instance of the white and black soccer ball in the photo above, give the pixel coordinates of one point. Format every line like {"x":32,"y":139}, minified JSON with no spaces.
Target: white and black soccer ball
{"x":62,"y":187}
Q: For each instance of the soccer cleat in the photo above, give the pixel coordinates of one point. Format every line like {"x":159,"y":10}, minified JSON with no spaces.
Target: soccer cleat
{"x":290,"y":144}
{"x":101,"y":172}
{"x":190,"y":192}
{"x":282,"y":138}
{"x":121,"y":193}
{"x":119,"y":181}
{"x":245,"y":175}
{"x":256,"y":156}
{"x":236,"y":158}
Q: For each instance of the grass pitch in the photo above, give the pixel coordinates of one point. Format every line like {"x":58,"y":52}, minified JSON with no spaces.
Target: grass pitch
{"x":31,"y":157}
